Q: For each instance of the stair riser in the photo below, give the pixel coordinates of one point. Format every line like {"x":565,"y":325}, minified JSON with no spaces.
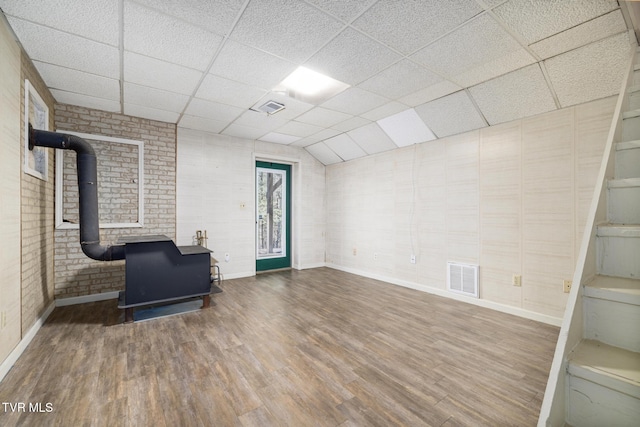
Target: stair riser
{"x":612,"y":323}
{"x":628,"y":163}
{"x":624,"y":205}
{"x":631,"y":129}
{"x":634,"y":100}
{"x":591,"y":405}
{"x":618,"y":256}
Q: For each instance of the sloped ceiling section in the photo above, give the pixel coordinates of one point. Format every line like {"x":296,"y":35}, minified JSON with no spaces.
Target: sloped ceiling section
{"x":416,"y":70}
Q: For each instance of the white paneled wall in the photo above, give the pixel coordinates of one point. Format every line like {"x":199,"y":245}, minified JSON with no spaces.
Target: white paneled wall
{"x":512,"y":198}
{"x":11,"y":167}
{"x":215,"y":192}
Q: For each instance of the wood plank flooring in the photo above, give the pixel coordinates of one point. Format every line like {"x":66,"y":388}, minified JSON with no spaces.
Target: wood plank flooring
{"x":296,"y":348}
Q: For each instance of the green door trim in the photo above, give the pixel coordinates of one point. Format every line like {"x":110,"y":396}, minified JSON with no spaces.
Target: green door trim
{"x":285,"y":261}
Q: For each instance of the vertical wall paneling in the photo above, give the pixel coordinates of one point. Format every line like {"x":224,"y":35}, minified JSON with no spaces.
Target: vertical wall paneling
{"x":501,"y":212}
{"x":511,"y":198}
{"x":548,"y":209}
{"x":215,"y":192}
{"x":10,"y":165}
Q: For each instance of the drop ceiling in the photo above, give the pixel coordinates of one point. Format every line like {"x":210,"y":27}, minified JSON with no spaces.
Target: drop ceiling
{"x":416,"y":70}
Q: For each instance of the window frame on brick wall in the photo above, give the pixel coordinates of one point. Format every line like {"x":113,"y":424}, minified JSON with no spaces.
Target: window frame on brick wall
{"x":36,"y":113}
{"x":95,"y":138}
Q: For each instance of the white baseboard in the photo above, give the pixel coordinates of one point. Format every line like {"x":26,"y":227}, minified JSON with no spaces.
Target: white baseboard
{"x":8,"y":363}
{"x":516,"y":311}
{"x":308,"y":266}
{"x":86,"y":298}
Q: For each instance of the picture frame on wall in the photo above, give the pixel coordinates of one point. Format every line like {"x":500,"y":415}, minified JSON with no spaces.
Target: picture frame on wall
{"x":36,"y":112}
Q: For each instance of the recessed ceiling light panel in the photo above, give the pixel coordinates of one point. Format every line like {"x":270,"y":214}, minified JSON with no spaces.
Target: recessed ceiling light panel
{"x":310,"y":86}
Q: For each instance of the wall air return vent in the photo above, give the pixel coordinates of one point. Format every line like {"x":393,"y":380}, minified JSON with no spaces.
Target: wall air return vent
{"x":462,"y":279}
{"x":271,"y":107}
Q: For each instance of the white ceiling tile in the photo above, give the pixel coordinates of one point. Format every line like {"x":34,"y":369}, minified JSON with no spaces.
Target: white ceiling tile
{"x":224,"y":91}
{"x":214,"y":15}
{"x":343,"y":9}
{"x":260,"y":121}
{"x":407,"y":77}
{"x":372,"y":139}
{"x":481,"y":47}
{"x":352,"y":57}
{"x":345,"y":147}
{"x":164,"y":37}
{"x":324,"y":117}
{"x":451,"y":115}
{"x":213,"y":110}
{"x":411,"y":25}
{"x":583,"y":34}
{"x":304,"y":142}
{"x":494,"y":68}
{"x":71,"y":16}
{"x":323,"y":153}
{"x":355,"y":101}
{"x":326,"y":134}
{"x":80,"y":100}
{"x":151,"y":113}
{"x":445,"y":87}
{"x":251,"y":66}
{"x":66,"y":50}
{"x":536,"y":20}
{"x":385,"y":110}
{"x":241,"y":131}
{"x":200,"y":123}
{"x":70,"y":80}
{"x":350,"y":124}
{"x":590,"y":72}
{"x":279,"y":138}
{"x":521,"y":93}
{"x":154,"y":73}
{"x":154,"y":98}
{"x":290,"y":29}
{"x":299,"y":129}
{"x":406,"y":128}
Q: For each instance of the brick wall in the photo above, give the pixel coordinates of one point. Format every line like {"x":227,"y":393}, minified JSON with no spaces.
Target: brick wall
{"x":75,"y":274}
{"x":37,"y":210}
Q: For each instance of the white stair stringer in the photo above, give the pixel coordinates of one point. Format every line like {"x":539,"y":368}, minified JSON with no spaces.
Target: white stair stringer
{"x":595,"y":375}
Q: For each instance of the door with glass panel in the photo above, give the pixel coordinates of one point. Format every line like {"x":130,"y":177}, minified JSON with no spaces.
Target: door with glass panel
{"x":273,"y":212}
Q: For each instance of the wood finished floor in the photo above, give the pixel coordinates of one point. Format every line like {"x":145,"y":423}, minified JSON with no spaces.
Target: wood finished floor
{"x":297,"y":348}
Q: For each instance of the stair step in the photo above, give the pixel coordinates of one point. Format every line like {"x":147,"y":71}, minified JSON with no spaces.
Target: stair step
{"x":631,"y":114}
{"x":610,"y":366}
{"x":618,"y":230}
{"x":604,"y":385}
{"x":608,"y":303}
{"x":618,"y":289}
{"x":631,"y":125}
{"x":617,"y":249}
{"x":624,"y":200}
{"x":627,"y":159}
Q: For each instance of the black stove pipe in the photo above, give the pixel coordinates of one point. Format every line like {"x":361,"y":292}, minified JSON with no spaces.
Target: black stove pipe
{"x":87,"y":191}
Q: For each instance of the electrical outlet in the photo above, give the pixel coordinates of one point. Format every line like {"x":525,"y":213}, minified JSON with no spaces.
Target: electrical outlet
{"x":226,"y":257}
{"x":412,"y":260}
{"x":516,"y":280}
{"x":375,"y":256}
{"x":355,"y":252}
{"x":566,"y":286}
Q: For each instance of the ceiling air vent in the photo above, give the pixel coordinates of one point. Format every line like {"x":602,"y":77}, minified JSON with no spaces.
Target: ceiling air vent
{"x":463,"y":279}
{"x":271,"y":107}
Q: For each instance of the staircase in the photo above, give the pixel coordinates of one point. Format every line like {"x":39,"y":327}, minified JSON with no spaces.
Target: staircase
{"x":595,"y":377}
